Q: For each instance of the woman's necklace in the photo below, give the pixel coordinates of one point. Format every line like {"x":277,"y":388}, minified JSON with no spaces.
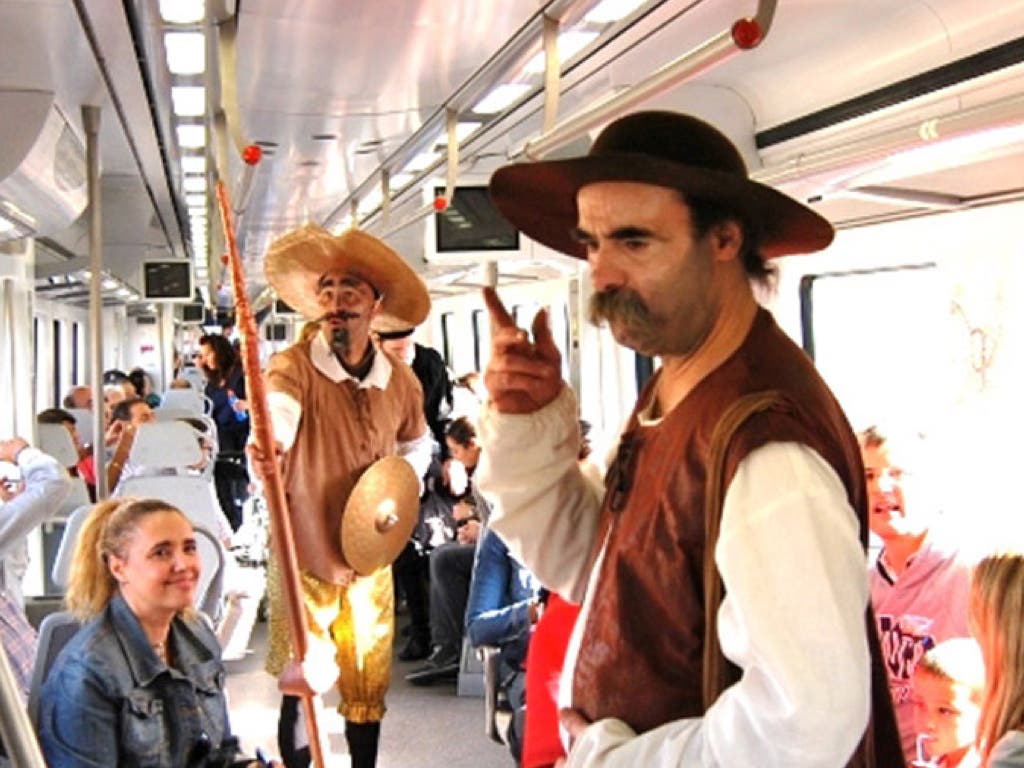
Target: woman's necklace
{"x":161,"y":650}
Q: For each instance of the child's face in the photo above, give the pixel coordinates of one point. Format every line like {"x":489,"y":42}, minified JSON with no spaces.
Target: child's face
{"x":945,"y":713}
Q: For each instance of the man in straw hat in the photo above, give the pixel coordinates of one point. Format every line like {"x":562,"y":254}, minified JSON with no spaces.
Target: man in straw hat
{"x":337,"y":405}
{"x":674,"y":233}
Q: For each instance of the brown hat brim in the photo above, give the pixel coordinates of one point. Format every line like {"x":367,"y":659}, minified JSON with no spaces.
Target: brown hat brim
{"x":296,"y":261}
{"x":539,"y":199}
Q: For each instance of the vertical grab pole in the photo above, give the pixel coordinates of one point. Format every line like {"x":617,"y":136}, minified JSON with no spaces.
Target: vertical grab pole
{"x":91,"y":121}
{"x":273,"y":485}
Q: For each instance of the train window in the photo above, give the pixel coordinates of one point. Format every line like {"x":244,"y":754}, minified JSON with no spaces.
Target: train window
{"x":447,"y":338}
{"x":878,"y":358}
{"x":481,"y":338}
{"x":56,"y":361}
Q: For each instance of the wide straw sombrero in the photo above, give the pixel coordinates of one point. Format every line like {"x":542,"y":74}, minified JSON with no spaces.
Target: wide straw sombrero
{"x":296,"y":261}
{"x":666,"y":149}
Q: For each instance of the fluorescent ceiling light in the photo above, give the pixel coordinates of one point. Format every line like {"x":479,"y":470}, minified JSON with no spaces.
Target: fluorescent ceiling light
{"x":955,"y":151}
{"x":608,"y":11}
{"x":501,"y":97}
{"x":372,"y":200}
{"x":195,"y":200}
{"x":110,"y":284}
{"x":570,"y":43}
{"x":399,"y":180}
{"x":189,"y":101}
{"x":462,"y":131}
{"x":193,"y":163}
{"x":6,"y":226}
{"x":191,"y":136}
{"x":186,"y":52}
{"x":182,"y":11}
{"x":194,"y":183}
{"x":422,"y":160}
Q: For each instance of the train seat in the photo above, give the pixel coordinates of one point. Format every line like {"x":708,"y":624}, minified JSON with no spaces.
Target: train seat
{"x":54,"y":633}
{"x":83,"y":423}
{"x":191,"y":400}
{"x":55,"y":440}
{"x":194,"y":377}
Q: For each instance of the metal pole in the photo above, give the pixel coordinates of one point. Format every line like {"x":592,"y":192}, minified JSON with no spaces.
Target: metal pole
{"x":15,"y":727}
{"x":91,"y":121}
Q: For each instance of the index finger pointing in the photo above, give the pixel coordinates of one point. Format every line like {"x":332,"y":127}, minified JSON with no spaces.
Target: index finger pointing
{"x":500,"y":318}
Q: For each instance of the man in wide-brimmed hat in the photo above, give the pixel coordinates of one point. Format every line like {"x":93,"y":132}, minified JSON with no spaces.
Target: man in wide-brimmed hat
{"x":338,"y":404}
{"x":721,"y":578}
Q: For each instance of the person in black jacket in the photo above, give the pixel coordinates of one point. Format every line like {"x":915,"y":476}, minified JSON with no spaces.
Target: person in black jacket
{"x":225,"y":386}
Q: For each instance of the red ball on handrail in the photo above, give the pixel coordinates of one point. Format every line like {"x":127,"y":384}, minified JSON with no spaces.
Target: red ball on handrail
{"x":746,"y":33}
{"x":440,"y":204}
{"x":252,"y":154}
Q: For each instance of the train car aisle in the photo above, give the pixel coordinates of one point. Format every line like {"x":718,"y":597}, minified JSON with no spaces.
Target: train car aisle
{"x":423,"y":727}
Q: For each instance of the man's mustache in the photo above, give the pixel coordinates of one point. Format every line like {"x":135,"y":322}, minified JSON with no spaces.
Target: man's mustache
{"x":619,"y":305}
{"x":342,"y":315}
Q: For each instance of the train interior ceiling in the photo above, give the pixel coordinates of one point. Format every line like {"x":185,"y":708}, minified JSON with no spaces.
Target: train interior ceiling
{"x":901,"y":121}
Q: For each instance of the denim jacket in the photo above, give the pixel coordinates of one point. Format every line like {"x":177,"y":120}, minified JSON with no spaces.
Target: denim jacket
{"x":500,"y":593}
{"x":109,"y":699}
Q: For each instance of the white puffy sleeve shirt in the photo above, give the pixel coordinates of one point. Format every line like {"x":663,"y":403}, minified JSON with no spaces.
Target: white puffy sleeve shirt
{"x":793,"y":617}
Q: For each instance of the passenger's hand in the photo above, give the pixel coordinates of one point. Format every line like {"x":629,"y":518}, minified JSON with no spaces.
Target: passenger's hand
{"x":317,"y":673}
{"x":522,"y":376}
{"x":258,"y":459}
{"x":9,"y":449}
{"x":575,"y":724}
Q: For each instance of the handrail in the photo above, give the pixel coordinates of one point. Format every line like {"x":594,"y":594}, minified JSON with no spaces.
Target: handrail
{"x":15,"y":727}
{"x":742,"y":35}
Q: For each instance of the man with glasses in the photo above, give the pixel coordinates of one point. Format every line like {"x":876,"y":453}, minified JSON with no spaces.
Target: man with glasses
{"x":737,"y":496}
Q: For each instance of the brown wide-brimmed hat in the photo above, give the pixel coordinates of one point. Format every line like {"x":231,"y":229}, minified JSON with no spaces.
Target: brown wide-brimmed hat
{"x":296,"y":261}
{"x":666,"y":149}
{"x":390,"y":327}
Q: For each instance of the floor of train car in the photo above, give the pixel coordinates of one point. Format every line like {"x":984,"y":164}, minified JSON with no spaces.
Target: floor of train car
{"x":423,"y":727}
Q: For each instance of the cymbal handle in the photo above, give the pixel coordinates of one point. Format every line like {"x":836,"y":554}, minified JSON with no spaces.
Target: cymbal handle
{"x":386,"y":522}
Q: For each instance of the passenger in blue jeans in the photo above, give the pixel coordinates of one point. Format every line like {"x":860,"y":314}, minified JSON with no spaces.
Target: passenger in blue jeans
{"x":504,"y":604}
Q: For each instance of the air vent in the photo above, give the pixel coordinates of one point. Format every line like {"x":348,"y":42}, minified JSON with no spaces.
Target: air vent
{"x":145,"y":320}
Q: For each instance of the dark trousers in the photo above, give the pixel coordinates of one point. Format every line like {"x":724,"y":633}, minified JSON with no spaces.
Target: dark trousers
{"x":232,"y":484}
{"x":451,"y":567}
{"x":362,"y":738}
{"x":410,"y":571}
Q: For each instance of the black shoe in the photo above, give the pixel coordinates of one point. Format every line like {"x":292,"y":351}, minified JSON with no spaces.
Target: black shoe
{"x":442,"y":664}
{"x":416,"y":647}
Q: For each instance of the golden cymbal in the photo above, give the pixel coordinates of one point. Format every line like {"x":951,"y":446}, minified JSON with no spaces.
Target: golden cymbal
{"x":380,"y":515}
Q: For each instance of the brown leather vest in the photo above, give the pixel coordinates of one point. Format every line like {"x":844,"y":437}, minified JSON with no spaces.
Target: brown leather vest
{"x":641,"y":652}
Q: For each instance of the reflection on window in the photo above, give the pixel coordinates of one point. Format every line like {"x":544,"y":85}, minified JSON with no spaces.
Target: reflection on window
{"x":481,"y":339}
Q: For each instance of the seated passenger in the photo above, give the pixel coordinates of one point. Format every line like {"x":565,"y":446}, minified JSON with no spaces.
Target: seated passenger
{"x":144,"y":387}
{"x":26,"y":504}
{"x":79,"y":396}
{"x":996,"y":609}
{"x":142,"y":682}
{"x":126,"y":417}
{"x":949,"y":685}
{"x":504,"y":604}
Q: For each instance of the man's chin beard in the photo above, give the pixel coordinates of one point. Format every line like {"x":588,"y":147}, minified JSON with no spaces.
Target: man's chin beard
{"x":341,"y":341}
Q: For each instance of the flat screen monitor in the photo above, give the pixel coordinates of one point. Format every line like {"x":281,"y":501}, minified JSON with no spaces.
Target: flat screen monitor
{"x":193,"y":314}
{"x":472,"y":223}
{"x":167,"y":281}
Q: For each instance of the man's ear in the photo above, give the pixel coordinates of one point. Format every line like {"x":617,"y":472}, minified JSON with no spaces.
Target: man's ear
{"x":726,"y":237}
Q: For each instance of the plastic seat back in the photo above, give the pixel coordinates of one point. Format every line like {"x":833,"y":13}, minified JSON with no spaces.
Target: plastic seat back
{"x":55,"y":440}
{"x":190,"y":400}
{"x":83,"y":423}
{"x":194,"y":377}
{"x":66,"y":551}
{"x":55,"y":632}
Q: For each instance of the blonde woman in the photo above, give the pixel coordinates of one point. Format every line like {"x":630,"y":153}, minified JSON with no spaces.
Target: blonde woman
{"x":997,"y":621}
{"x":142,"y":681}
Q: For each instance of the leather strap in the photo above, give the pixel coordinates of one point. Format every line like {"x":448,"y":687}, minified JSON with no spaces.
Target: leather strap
{"x":715,"y":664}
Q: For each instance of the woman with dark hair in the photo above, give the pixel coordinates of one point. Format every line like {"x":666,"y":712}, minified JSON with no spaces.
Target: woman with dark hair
{"x":142,"y":682}
{"x":225,"y":386}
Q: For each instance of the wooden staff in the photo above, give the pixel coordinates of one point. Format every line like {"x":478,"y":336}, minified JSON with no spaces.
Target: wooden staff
{"x":273,"y":486}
